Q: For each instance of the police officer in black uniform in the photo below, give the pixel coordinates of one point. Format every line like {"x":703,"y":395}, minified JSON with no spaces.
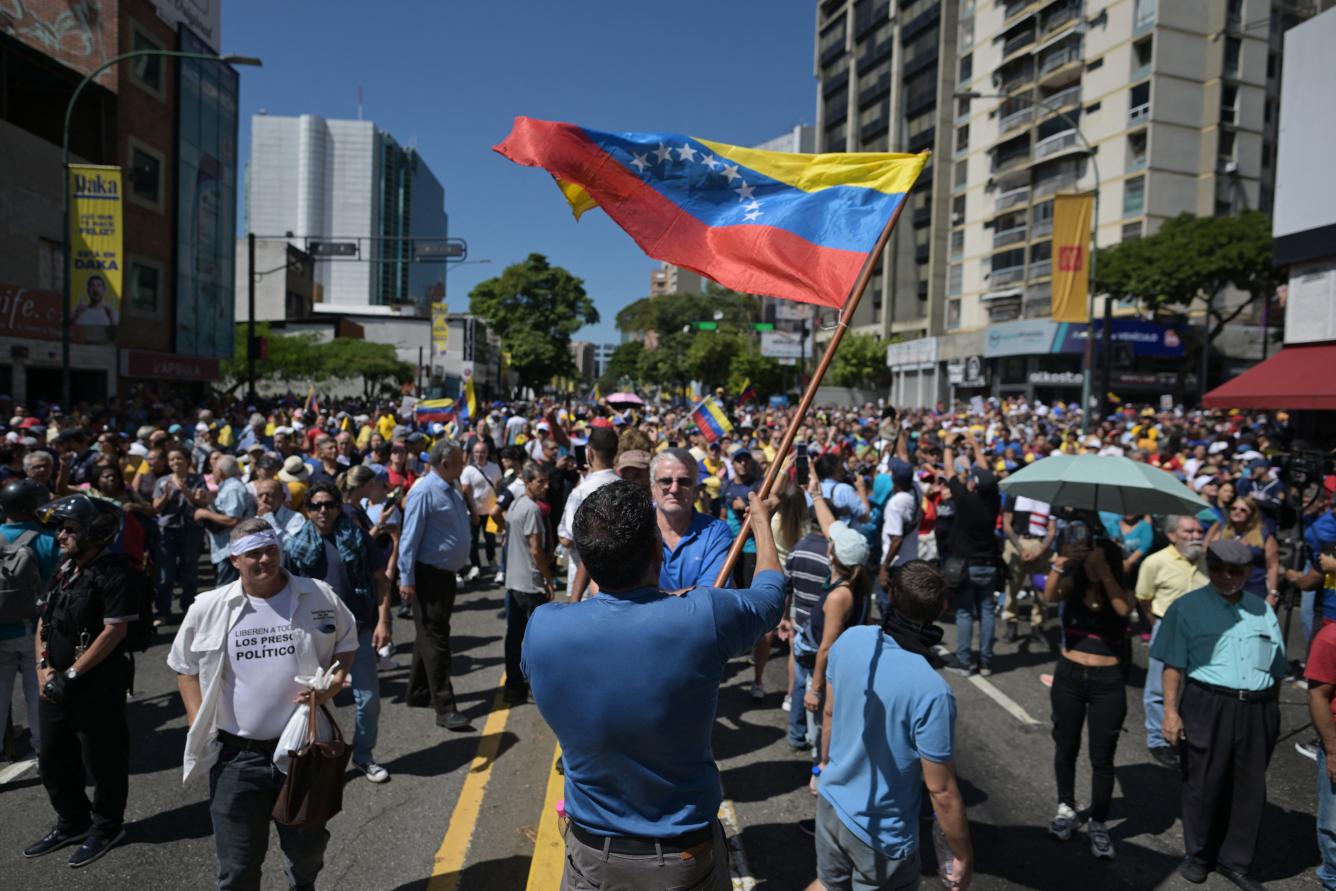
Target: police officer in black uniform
{"x":84,"y":672}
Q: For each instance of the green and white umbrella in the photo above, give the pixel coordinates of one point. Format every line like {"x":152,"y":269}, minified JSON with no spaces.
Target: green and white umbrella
{"x":1107,"y":483}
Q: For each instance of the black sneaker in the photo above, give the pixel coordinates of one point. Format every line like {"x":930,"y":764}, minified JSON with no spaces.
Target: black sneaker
{"x":517,"y":695}
{"x":453,"y":720}
{"x":55,"y":839}
{"x":1165,"y":756}
{"x":808,"y":827}
{"x":1193,"y":871}
{"x":1011,"y":635}
{"x":94,"y":847}
{"x":955,"y":665}
{"x":1240,"y":879}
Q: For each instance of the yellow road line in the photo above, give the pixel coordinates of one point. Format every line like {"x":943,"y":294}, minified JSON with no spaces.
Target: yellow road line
{"x":549,"y":849}
{"x":449,"y":863}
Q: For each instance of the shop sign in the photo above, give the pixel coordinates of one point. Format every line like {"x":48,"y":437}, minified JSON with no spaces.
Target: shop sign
{"x":1057,"y":378}
{"x":25,"y":312}
{"x":919,"y":352}
{"x":971,"y":371}
{"x":1029,"y":337}
{"x":146,"y":364}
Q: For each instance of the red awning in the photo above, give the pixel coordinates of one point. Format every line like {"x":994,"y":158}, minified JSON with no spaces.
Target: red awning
{"x":1298,"y":377}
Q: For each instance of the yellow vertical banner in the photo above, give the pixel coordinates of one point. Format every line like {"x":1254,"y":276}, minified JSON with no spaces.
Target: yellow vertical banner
{"x":1071,"y":257}
{"x":96,"y":258}
{"x":440,"y":326}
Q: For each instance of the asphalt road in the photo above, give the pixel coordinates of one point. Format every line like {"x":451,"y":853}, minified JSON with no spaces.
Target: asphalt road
{"x":462,"y":809}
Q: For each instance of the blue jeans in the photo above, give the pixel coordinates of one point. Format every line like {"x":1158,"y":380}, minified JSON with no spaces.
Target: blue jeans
{"x":242,"y":789}
{"x":798,"y":735}
{"x":366,"y":696}
{"x":16,"y":658}
{"x":178,"y":560}
{"x":975,"y":595}
{"x":1152,"y":697}
{"x":1326,"y":823}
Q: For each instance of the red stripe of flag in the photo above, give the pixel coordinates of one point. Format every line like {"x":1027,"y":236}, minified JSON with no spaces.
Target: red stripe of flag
{"x":752,"y":258}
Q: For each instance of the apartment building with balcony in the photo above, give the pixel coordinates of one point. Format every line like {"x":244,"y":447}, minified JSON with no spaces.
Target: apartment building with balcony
{"x":885,"y":72}
{"x":1171,"y":105}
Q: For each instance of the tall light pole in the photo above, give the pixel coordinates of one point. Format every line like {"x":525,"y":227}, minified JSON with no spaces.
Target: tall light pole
{"x":65,"y":389}
{"x":1089,"y":360}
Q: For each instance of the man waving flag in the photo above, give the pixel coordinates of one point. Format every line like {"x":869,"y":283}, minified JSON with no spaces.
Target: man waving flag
{"x":780,"y":224}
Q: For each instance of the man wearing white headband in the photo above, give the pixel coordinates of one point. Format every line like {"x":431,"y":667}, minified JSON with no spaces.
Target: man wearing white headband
{"x":236,"y":656}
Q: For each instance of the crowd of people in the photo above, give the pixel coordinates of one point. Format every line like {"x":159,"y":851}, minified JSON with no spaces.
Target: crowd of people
{"x":325,"y":526}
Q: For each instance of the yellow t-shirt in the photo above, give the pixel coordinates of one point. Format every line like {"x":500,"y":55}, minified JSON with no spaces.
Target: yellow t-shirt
{"x":1165,"y":576}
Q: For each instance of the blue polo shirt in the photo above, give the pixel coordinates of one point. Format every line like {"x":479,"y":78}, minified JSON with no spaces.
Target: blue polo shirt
{"x":891,"y":710}
{"x":629,"y":683}
{"x":699,"y":554}
{"x":1234,"y":645}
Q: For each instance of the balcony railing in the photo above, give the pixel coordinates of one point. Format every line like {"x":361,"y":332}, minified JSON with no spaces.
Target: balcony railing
{"x":1138,"y":115}
{"x":1063,"y":98}
{"x":1136,"y":162}
{"x":1017,"y":43}
{"x":1012,"y":161}
{"x":1039,"y":230}
{"x":1006,"y":276}
{"x":1016,"y":119}
{"x":1012,"y":198}
{"x":1041,"y":269}
{"x":1056,"y":60}
{"x":1141,"y":72}
{"x":1057,"y":183}
{"x":1008,"y":236}
{"x":1061,"y":17}
{"x":1054,"y":144}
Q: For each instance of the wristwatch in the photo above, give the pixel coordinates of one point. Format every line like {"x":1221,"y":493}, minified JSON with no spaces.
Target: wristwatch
{"x":71,"y":674}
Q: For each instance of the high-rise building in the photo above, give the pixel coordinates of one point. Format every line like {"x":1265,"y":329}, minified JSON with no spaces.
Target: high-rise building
{"x":1163,"y":107}
{"x":349,"y":182}
{"x":885,"y":72}
{"x":672,"y":279}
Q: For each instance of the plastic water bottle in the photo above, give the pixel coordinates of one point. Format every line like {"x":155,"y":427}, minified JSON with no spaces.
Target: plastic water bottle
{"x":945,"y":858}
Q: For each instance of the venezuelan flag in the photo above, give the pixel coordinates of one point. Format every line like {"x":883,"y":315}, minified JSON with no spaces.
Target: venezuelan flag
{"x":711,"y":420}
{"x":430,"y":411}
{"x":780,"y":224}
{"x":746,"y":393}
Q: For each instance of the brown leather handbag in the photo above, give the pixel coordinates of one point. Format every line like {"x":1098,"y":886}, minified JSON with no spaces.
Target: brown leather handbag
{"x":312,"y":792}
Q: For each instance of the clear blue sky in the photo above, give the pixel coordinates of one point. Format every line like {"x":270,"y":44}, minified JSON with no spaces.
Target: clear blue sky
{"x":450,"y":76}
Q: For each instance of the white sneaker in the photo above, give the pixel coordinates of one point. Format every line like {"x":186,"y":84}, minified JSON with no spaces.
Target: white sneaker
{"x":500,"y":578}
{"x":1100,"y":843}
{"x":787,"y":704}
{"x":757,"y":692}
{"x":472,"y":574}
{"x":1064,"y":823}
{"x":373,"y":771}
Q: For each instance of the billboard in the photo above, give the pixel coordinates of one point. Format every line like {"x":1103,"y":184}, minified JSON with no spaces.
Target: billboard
{"x":1305,"y":189}
{"x":1029,"y":337}
{"x":206,"y":204}
{"x":784,"y":345}
{"x":96,"y":258}
{"x":440,"y":326}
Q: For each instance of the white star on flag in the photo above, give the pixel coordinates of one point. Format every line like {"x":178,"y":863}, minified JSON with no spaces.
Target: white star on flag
{"x":731,"y":172}
{"x":752,"y":215}
{"x":745,"y":192}
{"x":686,"y":153}
{"x":755,"y":205}
{"x":663,"y":153}
{"x":639,"y":161}
{"x":710,"y":161}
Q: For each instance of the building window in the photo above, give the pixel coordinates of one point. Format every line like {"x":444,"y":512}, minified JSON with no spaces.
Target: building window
{"x":835,"y":138}
{"x":1095,"y":64}
{"x":1145,"y":14}
{"x":1267,"y":151}
{"x":952,"y":315}
{"x":1132,"y":231}
{"x":1227,"y":143}
{"x":1233,"y":47}
{"x":143,"y":289}
{"x":962,"y":138}
{"x":960,"y":175}
{"x":1134,"y":196}
{"x":146,"y":71}
{"x":1138,"y":104}
{"x":1136,"y":151}
{"x":955,"y":279}
{"x":146,"y":172}
{"x":50,"y":265}
{"x":832,"y":38}
{"x":958,"y":210}
{"x":1271,"y":65}
{"x":966,"y":67}
{"x":1141,"y":58}
{"x":1229,"y":100}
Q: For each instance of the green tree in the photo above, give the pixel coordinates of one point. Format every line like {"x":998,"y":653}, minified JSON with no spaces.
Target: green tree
{"x":625,"y":361}
{"x":860,"y":362}
{"x":535,"y":307}
{"x":764,"y":373}
{"x":376,"y":364}
{"x":712,"y":353}
{"x":673,"y":312}
{"x":291,"y":356}
{"x":666,"y":364}
{"x":1194,"y":258}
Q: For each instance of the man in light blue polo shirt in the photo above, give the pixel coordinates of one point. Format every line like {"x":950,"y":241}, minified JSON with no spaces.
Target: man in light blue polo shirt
{"x":1223,"y":655}
{"x":694,"y":545}
{"x":629,"y":682}
{"x":888,"y":730}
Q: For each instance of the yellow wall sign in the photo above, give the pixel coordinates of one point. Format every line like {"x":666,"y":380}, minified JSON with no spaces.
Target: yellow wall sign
{"x":440,"y":326}
{"x":96,"y":253}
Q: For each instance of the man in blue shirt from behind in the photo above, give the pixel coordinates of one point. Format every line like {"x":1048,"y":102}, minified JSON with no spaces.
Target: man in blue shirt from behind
{"x":629,"y":681}
{"x":19,"y":500}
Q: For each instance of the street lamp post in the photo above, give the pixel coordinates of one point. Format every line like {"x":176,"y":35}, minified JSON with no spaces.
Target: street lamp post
{"x":1089,"y":360}
{"x":65,"y":389}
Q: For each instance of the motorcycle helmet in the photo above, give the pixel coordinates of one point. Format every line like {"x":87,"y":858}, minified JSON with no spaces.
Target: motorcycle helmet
{"x":22,"y":497}
{"x":99,"y":520}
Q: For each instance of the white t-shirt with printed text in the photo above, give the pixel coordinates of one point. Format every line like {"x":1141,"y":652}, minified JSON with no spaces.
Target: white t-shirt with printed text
{"x":258,"y":680}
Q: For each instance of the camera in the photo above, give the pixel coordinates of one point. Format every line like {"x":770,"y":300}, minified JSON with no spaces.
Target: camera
{"x":1303,"y":468}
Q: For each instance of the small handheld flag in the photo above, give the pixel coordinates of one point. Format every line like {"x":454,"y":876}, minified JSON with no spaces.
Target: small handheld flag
{"x":794,"y":226}
{"x":747,"y":393}
{"x":430,"y":411}
{"x":711,"y":420}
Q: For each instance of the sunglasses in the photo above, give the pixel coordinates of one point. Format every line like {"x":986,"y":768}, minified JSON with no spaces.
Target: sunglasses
{"x":666,"y":482}
{"x":67,"y":530}
{"x":323,"y":505}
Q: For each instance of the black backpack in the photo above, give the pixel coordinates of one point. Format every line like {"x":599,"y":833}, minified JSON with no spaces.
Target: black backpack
{"x":20,"y":579}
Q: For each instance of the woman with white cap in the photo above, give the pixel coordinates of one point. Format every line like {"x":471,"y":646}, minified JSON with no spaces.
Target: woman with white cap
{"x":842,"y":605}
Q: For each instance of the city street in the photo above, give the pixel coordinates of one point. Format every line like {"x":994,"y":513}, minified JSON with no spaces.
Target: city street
{"x":466,"y":810}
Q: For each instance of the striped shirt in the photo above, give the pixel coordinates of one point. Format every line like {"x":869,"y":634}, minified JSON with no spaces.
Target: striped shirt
{"x":806,"y":573}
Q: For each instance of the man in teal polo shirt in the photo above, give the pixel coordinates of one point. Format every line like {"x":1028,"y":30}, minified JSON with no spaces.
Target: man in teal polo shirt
{"x":1223,"y":655}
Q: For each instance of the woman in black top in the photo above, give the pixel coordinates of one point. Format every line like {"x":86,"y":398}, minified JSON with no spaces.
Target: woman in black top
{"x":1088,"y":684}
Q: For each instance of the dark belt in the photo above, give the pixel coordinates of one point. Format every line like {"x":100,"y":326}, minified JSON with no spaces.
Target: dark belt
{"x":1271,"y":692}
{"x":246,"y":744}
{"x":639,"y":845}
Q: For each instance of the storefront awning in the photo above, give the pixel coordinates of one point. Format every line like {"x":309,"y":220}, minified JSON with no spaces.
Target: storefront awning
{"x":1298,"y":377}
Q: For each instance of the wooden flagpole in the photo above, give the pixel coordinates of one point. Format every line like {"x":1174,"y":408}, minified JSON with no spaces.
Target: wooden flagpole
{"x":791,"y":432}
